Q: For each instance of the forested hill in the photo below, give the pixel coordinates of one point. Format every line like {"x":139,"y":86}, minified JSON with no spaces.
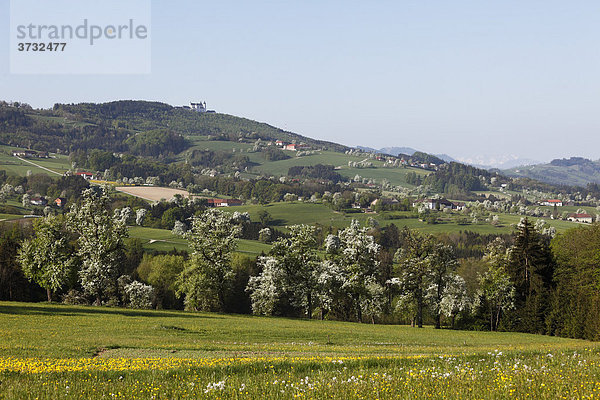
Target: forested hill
{"x":144,"y":115}
{"x":572,"y":171}
{"x":111,"y":126}
{"x":153,"y":132}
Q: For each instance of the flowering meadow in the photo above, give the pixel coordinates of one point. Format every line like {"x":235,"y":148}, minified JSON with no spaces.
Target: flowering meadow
{"x":51,"y":352}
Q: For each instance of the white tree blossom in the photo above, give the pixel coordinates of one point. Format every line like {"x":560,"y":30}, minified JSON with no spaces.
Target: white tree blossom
{"x":140,"y":215}
{"x":179,"y":228}
{"x":290,"y":197}
{"x":205,"y":279}
{"x":298,"y":263}
{"x":265,"y":235}
{"x":26,"y":200}
{"x":265,"y":289}
{"x":46,"y":259}
{"x":100,"y":240}
{"x":356,"y":257}
{"x":455,"y":298}
{"x":139,"y":294}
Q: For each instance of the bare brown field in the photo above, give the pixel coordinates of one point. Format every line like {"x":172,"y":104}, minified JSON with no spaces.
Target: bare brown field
{"x":152,"y":193}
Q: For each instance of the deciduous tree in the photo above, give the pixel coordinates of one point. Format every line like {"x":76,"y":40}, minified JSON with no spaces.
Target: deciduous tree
{"x":100,"y":241}
{"x":205,"y":279}
{"x":47,"y":258}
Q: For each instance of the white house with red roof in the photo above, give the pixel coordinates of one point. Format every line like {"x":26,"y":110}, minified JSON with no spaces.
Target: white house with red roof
{"x":551,"y":203}
{"x":85,"y":175}
{"x":585,"y":218}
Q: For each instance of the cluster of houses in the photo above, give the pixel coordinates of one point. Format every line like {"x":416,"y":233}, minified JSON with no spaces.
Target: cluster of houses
{"x":290,"y":146}
{"x":42,"y":202}
{"x":573,"y":217}
{"x":30,"y":154}
{"x":431,"y":204}
{"x":430,"y":166}
{"x":439,"y":204}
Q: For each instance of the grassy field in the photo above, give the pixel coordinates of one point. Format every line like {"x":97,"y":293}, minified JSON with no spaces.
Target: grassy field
{"x":201,"y":143}
{"x":395,"y":176}
{"x":9,"y":217}
{"x":57,"y":351}
{"x":281,"y":167}
{"x":284,"y":214}
{"x":164,"y":240}
{"x":572,"y":209}
{"x":15,"y":166}
{"x":60,"y":120}
{"x":291,"y":213}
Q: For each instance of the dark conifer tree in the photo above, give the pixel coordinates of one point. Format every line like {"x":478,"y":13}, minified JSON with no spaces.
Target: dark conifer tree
{"x":530,"y":267}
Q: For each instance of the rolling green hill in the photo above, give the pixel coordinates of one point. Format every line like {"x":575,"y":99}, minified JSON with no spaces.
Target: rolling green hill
{"x":167,"y":134}
{"x":574,"y":171}
{"x":141,"y":116}
{"x":140,"y":139}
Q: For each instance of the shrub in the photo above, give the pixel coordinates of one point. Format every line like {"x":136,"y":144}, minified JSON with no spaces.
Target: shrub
{"x":75,"y":297}
{"x":140,"y":295}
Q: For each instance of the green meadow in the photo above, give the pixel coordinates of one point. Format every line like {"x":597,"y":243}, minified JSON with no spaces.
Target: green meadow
{"x":14,"y":166}
{"x":284,"y":214}
{"x":395,"y":176}
{"x":53,"y":351}
{"x":164,"y":240}
{"x":290,"y":213}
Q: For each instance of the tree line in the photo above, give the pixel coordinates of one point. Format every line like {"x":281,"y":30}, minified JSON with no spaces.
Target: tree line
{"x":530,"y":283}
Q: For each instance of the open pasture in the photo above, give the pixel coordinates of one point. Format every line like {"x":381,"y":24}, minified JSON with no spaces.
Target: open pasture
{"x":53,"y":167}
{"x":290,"y":213}
{"x":164,"y":240}
{"x":58,"y":351}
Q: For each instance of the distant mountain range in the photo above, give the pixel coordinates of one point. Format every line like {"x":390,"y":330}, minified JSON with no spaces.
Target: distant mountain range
{"x":393,"y":151}
{"x":409,"y":151}
{"x":499,"y":162}
{"x":485,"y":162}
{"x":574,"y":171}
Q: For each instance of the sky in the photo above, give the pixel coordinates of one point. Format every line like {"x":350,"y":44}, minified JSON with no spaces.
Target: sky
{"x":465,"y":78}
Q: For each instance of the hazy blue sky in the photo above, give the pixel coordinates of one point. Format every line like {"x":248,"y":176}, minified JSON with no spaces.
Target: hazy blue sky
{"x":459,"y":77}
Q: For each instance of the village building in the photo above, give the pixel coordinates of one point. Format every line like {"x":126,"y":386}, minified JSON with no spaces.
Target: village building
{"x":38,"y":201}
{"x":584,"y":218}
{"x":457,"y":205}
{"x":24,"y":153}
{"x":294,"y":146}
{"x":439,"y":204}
{"x":551,"y":203}
{"x":85,"y":175}
{"x":384,"y":201}
{"x":223,"y":202}
{"x":198,"y":107}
